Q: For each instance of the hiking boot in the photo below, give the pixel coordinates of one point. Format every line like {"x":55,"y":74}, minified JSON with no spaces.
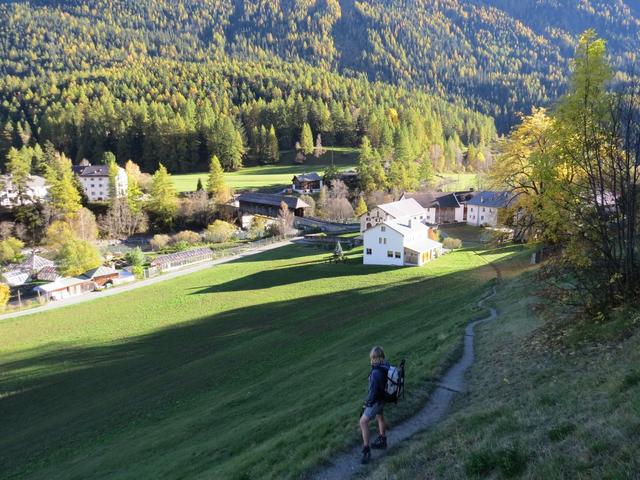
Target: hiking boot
{"x":380,"y":443}
{"x":366,"y":455}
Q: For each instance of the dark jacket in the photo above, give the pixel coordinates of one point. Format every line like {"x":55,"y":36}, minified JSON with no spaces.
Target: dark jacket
{"x":377,"y":384}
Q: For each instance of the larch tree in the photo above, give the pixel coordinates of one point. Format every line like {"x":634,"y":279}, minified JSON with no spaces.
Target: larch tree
{"x":163,"y":204}
{"x":306,"y":139}
{"x":272,"y":154}
{"x":216,"y":186}
{"x":64,"y":196}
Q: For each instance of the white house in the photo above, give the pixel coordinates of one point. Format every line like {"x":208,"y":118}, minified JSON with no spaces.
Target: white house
{"x":402,"y":209}
{"x":95,"y":181}
{"x":399,"y":242}
{"x":36,"y":191}
{"x":485,"y":207}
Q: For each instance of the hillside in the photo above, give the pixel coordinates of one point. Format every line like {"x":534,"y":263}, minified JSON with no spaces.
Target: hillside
{"x":498,"y":56}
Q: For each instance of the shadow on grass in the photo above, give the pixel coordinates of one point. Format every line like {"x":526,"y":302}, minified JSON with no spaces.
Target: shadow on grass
{"x":60,"y":399}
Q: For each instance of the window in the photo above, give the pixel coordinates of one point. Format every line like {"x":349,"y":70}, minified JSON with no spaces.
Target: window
{"x":383,"y":228}
{"x":482,"y":209}
{"x":482,"y":217}
{"x":385,"y":241}
{"x":380,"y":240}
{"x":389,"y":254}
{"x":368,"y":251}
{"x":397,"y":254}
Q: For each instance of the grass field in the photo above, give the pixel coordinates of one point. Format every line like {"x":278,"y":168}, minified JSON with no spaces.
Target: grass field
{"x":252,"y":369}
{"x":268,"y":176}
{"x":452,"y":182}
{"x":534,"y":409}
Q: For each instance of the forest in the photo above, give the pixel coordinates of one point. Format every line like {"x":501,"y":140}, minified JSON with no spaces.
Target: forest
{"x":176,"y":82}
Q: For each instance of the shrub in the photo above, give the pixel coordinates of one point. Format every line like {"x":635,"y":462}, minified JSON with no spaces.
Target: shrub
{"x":11,"y":250}
{"x":219,"y":232}
{"x":181,"y":246}
{"x":5,"y":294}
{"x":77,"y":256}
{"x":158,"y":242}
{"x":186,"y":236}
{"x":257,"y":229}
{"x":135,"y":257}
{"x":451,"y":243}
{"x":138,"y":271}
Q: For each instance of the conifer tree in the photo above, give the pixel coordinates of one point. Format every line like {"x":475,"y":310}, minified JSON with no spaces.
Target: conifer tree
{"x":361,"y":207}
{"x":163,"y":203}
{"x":272,"y":150}
{"x":63,"y":193}
{"x":306,"y":139}
{"x":216,"y":187}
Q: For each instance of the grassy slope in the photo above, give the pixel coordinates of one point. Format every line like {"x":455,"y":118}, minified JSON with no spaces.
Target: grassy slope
{"x":254,"y":368}
{"x":532,"y":411}
{"x":265,"y":176}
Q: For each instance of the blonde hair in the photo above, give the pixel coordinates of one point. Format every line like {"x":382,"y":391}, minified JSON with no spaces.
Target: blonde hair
{"x":376,"y":355}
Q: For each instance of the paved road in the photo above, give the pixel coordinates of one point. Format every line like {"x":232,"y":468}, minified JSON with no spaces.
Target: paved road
{"x":143,"y":283}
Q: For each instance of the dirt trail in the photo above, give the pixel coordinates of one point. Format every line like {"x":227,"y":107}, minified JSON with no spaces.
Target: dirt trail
{"x":346,"y":464}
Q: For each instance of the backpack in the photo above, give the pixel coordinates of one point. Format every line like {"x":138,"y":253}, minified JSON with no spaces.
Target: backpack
{"x":395,"y":384}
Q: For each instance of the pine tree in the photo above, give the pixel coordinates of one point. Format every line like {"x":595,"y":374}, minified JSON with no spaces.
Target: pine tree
{"x":63,"y":193}
{"x":19,"y":167}
{"x":361,"y":207}
{"x":306,"y":139}
{"x":199,"y":186}
{"x":365,"y":174}
{"x":216,"y":187}
{"x":163,"y":203}
{"x":272,"y":150}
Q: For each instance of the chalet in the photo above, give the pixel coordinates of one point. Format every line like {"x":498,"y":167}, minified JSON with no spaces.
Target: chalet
{"x":307,"y":183}
{"x":102,"y":276}
{"x":36,"y":191}
{"x":407,"y":208}
{"x":269,"y":204}
{"x":404,"y":242}
{"x":65,"y":288}
{"x":96,"y":183}
{"x":181,"y":259}
{"x":443,"y":207}
{"x":485,"y":207}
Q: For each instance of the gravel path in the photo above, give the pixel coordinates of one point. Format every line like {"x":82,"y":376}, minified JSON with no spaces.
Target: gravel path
{"x":346,"y":464}
{"x":144,"y":283}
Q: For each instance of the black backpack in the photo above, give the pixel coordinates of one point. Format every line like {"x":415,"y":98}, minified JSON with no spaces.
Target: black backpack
{"x":395,"y":383}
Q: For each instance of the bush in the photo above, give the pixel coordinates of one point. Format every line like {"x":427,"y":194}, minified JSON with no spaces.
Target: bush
{"x":451,"y":243}
{"x":181,"y":246}
{"x":220,"y":232}
{"x":77,"y":257}
{"x":135,"y":257}
{"x":258,"y":227}
{"x":186,"y":236}
{"x":11,"y":250}
{"x":158,"y":242}
{"x":5,"y":294}
{"x":138,"y":271}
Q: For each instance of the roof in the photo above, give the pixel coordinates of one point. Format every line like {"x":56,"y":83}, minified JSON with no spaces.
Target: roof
{"x":272,"y":200}
{"x":403,"y":228}
{"x":101,"y":271}
{"x":48,"y":274}
{"x":491,"y":199}
{"x":15,"y":278}
{"x":422,"y":245}
{"x":307,"y":177}
{"x":402,"y":208}
{"x":61,"y":284}
{"x":91,"y":170}
{"x":434,"y":199}
{"x":182,"y":256}
{"x":34,"y":263}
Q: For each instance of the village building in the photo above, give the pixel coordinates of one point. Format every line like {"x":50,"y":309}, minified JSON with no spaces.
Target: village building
{"x":269,"y":204}
{"x":34,"y":263}
{"x":96,"y":183}
{"x":443,"y":207}
{"x":102,"y":276}
{"x":404,"y":242}
{"x":65,"y":288}
{"x":15,"y":278}
{"x":48,"y":274}
{"x":407,"y":208}
{"x":307,"y":183}
{"x":36,"y":191}
{"x":485,"y":207}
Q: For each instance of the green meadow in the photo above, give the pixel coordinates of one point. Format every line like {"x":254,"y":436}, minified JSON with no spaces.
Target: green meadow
{"x":272,"y":176}
{"x":252,"y":369}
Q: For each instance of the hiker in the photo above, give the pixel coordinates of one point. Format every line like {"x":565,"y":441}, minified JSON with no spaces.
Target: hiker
{"x":374,"y":404}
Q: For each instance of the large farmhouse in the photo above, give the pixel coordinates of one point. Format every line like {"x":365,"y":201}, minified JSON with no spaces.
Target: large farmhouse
{"x":485,"y":208}
{"x":394,"y":234}
{"x":95,"y":181}
{"x":401,"y":209}
{"x":269,"y":204}
{"x":443,"y":207}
